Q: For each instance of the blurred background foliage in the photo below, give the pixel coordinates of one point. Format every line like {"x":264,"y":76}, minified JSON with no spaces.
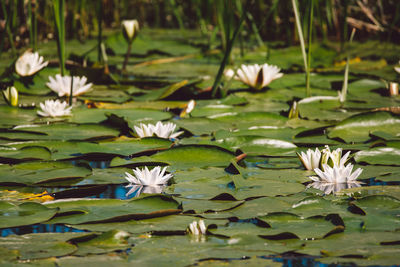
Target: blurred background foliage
{"x":25,"y":21}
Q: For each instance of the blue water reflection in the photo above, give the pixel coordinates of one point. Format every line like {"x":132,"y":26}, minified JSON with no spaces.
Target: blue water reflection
{"x":39,"y":228}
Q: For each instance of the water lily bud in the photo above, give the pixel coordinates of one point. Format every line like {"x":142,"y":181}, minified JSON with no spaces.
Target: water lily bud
{"x":331,"y":158}
{"x":294,"y":111}
{"x":130,"y":29}
{"x":11,"y":96}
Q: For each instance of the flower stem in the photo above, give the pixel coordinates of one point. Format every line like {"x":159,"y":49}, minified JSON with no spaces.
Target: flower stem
{"x":128,"y":53}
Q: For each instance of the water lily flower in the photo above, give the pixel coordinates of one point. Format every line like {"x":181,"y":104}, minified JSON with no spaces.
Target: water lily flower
{"x":397,"y":68}
{"x":329,"y":188}
{"x":257,"y":76}
{"x":54,"y":108}
{"x":188,"y":108}
{"x":130,"y":29}
{"x":137,"y":190}
{"x":337,"y":174}
{"x":154,"y":177}
{"x":197,"y":228}
{"x":310,"y":159}
{"x":160,"y":130}
{"x":333,"y":158}
{"x":62,"y":85}
{"x":29,"y":63}
{"x":11,"y":96}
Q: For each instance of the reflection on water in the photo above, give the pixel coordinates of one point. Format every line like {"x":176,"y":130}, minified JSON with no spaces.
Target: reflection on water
{"x":39,"y":228}
{"x":136,"y":190}
{"x":330,"y":188}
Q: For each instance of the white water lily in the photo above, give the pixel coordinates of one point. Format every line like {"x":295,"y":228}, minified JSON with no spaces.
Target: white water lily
{"x":336,"y":174}
{"x":154,"y":177}
{"x":62,"y":85}
{"x":310,"y":159}
{"x":11,"y":96}
{"x":29,"y":63}
{"x":333,"y":158}
{"x":197,"y":228}
{"x":160,"y":130}
{"x":329,"y":188}
{"x":137,"y":190}
{"x":257,"y":76}
{"x":397,"y":68}
{"x":130,"y":29}
{"x":54,"y":108}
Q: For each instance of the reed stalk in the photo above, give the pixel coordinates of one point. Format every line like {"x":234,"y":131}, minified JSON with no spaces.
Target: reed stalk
{"x":343,"y":94}
{"x":308,"y":70}
{"x":300,"y":33}
{"x":58,"y":7}
{"x":226,"y":56}
{"x":8,"y":20}
{"x":100,"y":30}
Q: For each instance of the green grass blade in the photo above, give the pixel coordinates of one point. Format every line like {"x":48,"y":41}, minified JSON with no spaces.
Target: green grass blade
{"x":343,"y":94}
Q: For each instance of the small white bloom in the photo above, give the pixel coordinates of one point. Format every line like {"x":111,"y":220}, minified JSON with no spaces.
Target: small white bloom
{"x":11,"y":96}
{"x":62,"y":85}
{"x":29,"y":63}
{"x":197,"y":228}
{"x":130,"y":29}
{"x":155,"y":177}
{"x":54,"y":108}
{"x":397,"y":68}
{"x":329,"y":188}
{"x":229,"y":73}
{"x":336,"y":174}
{"x":257,"y":76}
{"x":310,"y":159}
{"x":161,"y":130}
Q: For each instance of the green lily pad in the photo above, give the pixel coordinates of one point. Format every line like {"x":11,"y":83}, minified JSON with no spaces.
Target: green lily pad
{"x":184,"y":157}
{"x":358,"y":127}
{"x":24,"y":214}
{"x":379,"y":155}
{"x":125,"y":147}
{"x":131,"y":115}
{"x":61,"y":132}
{"x":24,"y":154}
{"x":43,"y":173}
{"x":38,"y":246}
{"x":11,"y":116}
{"x":112,"y":210}
{"x":104,"y":243}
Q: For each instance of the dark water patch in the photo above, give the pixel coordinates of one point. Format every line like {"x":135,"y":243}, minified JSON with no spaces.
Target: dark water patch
{"x":98,"y":164}
{"x":375,"y":181}
{"x":39,"y":228}
{"x":115,"y":192}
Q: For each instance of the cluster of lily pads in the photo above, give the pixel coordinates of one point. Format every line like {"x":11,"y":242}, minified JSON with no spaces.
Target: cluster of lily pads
{"x":233,"y":184}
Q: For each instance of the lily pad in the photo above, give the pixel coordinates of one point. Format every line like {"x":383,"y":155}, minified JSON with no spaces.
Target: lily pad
{"x":379,"y":155}
{"x":358,"y":127}
{"x":80,"y":211}
{"x":24,"y":214}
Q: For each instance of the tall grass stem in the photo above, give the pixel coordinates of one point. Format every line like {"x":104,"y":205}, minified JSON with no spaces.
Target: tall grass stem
{"x":343,"y":94}
{"x":58,"y":6}
{"x":300,"y":33}
{"x":226,"y":56}
{"x":310,"y":27}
